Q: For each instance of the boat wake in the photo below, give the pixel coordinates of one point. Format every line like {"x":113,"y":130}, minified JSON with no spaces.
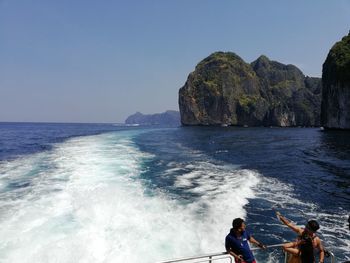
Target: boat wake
{"x":91,"y":199}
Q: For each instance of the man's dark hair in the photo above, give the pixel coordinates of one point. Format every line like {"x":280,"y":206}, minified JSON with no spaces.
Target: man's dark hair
{"x":312,"y":225}
{"x":236,"y":223}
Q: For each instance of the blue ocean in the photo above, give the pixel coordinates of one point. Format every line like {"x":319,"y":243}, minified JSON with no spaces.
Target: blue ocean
{"x":106,"y":193}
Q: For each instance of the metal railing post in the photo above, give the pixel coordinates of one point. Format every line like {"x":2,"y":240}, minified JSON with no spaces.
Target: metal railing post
{"x":210,"y":259}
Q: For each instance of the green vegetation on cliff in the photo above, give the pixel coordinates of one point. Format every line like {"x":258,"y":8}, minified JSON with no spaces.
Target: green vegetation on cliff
{"x":224,"y":89}
{"x":336,"y":86}
{"x":337,"y":65}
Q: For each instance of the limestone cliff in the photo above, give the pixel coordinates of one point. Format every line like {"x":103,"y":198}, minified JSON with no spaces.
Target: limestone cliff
{"x":336,"y":86}
{"x":224,"y":89}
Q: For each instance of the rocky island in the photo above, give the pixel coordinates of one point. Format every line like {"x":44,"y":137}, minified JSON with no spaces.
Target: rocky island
{"x":168,"y":118}
{"x":225,"y":90}
{"x":336,"y":86}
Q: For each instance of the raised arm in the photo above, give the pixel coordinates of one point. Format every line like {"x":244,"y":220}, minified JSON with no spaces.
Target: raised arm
{"x":285,"y":221}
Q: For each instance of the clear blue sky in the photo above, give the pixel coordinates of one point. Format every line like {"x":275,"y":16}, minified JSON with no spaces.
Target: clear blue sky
{"x":100,"y":61}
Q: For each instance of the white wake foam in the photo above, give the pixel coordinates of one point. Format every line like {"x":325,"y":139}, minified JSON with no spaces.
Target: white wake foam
{"x":86,"y":202}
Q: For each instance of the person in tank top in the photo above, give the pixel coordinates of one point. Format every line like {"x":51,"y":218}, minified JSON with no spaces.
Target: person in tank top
{"x":306,"y":235}
{"x":301,"y":251}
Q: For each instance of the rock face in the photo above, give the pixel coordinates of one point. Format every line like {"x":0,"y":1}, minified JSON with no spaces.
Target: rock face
{"x":224,"y":89}
{"x":168,"y":118}
{"x":335,"y":112}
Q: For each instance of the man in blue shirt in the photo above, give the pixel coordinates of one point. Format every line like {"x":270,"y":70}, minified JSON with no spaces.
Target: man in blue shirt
{"x":236,"y":242}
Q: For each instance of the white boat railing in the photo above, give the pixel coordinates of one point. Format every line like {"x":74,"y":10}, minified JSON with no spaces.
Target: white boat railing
{"x":224,"y":255}
{"x":202,"y":258}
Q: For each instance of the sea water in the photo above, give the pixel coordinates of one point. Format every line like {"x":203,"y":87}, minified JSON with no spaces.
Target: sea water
{"x":103,"y":193}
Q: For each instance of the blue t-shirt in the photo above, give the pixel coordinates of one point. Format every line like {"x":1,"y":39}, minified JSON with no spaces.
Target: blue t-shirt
{"x":239,"y":245}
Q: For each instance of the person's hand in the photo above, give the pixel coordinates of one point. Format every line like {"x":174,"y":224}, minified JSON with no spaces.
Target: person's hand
{"x":278,"y":214}
{"x":261,"y":245}
{"x":239,"y":259}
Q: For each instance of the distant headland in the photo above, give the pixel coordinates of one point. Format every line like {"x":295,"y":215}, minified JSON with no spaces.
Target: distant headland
{"x":168,"y":118}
